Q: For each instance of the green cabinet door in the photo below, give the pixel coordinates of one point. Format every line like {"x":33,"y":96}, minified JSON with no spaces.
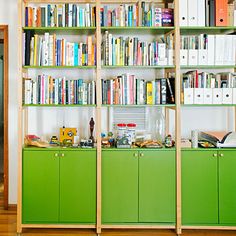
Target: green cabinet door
{"x":157,"y":186}
{"x":40,"y":187}
{"x":119,"y":186}
{"x":227,"y":187}
{"x":199,"y":187}
{"x":78,"y":186}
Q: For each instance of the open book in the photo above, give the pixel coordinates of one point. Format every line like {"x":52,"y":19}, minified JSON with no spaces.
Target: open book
{"x":217,"y":139}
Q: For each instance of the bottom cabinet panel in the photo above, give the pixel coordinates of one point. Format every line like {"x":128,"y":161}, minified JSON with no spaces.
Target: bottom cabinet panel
{"x":119,"y":186}
{"x":199,"y":187}
{"x":227,"y":186}
{"x":40,"y":187}
{"x":157,"y":186}
{"x":78,"y":186}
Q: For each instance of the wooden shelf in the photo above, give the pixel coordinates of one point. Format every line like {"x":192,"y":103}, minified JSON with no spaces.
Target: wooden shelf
{"x":59,"y":67}
{"x":139,"y":67}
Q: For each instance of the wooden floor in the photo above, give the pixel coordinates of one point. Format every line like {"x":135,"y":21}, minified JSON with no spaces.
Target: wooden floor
{"x":8,"y":228}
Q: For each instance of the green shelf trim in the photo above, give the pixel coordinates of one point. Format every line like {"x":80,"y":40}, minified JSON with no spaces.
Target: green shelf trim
{"x":207,"y":149}
{"x":139,"y":67}
{"x":208,"y":105}
{"x":209,"y":30}
{"x":139,"y":149}
{"x":59,"y":67}
{"x":54,"y":105}
{"x":57,"y":149}
{"x":160,"y":105}
{"x":209,"y":67}
{"x":164,"y":225}
{"x":58,"y":28}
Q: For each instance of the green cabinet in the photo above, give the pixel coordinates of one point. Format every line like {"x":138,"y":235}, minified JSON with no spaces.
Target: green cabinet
{"x":199,"y":187}
{"x":40,"y":198}
{"x":157,"y":186}
{"x":119,"y":186}
{"x":138,"y":186}
{"x":59,"y":186}
{"x":208,"y":187}
{"x":227,"y":187}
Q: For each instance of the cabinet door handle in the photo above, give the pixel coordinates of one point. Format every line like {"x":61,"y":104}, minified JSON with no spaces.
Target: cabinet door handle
{"x":214,"y":155}
{"x":135,"y":154}
{"x":221,"y":154}
{"x":56,"y":155}
{"x":62,"y":155}
{"x":141,"y":154}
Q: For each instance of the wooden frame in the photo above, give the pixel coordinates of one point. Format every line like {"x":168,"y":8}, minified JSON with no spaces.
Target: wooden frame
{"x":5,"y":108}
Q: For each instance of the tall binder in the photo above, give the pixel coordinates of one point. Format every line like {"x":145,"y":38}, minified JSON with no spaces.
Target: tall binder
{"x":221,"y":10}
{"x":183,"y":12}
{"x":201,"y":9}
{"x":212,"y":13}
{"x":193,"y":12}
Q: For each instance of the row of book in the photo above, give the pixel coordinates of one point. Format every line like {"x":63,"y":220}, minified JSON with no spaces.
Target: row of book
{"x":131,"y":15}
{"x":196,"y":79}
{"x":131,"y":51}
{"x":207,"y":13}
{"x":127,"y":89}
{"x":48,"y":90}
{"x":208,"y":50}
{"x":153,"y":15}
{"x":209,"y":88}
{"x":48,"y":50}
{"x":60,"y":15}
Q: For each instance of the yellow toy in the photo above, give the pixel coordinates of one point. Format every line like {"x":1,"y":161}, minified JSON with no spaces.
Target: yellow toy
{"x":67,"y":134}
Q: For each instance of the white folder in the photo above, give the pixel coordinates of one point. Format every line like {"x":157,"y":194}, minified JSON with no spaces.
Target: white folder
{"x":202,"y":57}
{"x":234,"y":95}
{"x":192,"y":57}
{"x":227,"y":95}
{"x":170,"y":57}
{"x":188,"y":95}
{"x":219,"y":49}
{"x":183,"y":12}
{"x":198,"y":96}
{"x":217,"y":96}
{"x":183,"y":57}
{"x":201,"y":10}
{"x":211,"y":50}
{"x":207,"y":96}
{"x":192,"y":12}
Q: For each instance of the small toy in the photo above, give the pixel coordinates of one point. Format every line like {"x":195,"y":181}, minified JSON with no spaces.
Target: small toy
{"x":91,"y":127}
{"x":86,"y":143}
{"x":33,"y":140}
{"x":54,"y":140}
{"x":67,"y":134}
{"x":67,"y":143}
{"x":123,"y":143}
{"x":111,"y":140}
{"x":169,"y":142}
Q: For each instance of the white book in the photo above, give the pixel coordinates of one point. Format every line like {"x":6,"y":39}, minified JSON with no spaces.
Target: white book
{"x":201,"y":12}
{"x":46,"y":55}
{"x":32,"y":51}
{"x":211,"y":50}
{"x":63,"y":15}
{"x":70,"y":13}
{"x":34,"y":92}
{"x":78,"y":14}
{"x":110,"y":49}
{"x":88,"y":14}
{"x":50,"y":51}
{"x":27,"y":91}
{"x":219,"y":49}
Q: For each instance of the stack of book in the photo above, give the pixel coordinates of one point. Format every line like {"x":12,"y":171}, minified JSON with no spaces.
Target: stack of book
{"x":48,"y":90}
{"x":126,"y":89}
{"x":152,"y":15}
{"x":134,"y":52}
{"x":209,"y":88}
{"x":208,"y":50}
{"x":207,"y":13}
{"x":123,"y":15}
{"x":60,"y":15}
{"x":47,"y":50}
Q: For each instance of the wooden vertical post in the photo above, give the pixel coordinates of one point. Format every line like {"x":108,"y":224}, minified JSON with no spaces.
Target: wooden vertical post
{"x":20,"y":141}
{"x":98,"y":117}
{"x":177,"y":118}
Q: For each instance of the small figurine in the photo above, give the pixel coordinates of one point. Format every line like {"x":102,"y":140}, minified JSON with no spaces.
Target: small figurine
{"x":169,"y":142}
{"x":54,"y":140}
{"x":67,"y":134}
{"x":111,"y":140}
{"x":91,"y":125}
{"x":86,"y":143}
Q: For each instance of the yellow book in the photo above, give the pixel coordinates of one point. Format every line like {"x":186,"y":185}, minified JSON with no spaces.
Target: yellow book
{"x":149,"y":93}
{"x":35,"y":49}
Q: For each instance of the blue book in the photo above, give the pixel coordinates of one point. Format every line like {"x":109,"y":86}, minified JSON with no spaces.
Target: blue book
{"x":130,"y":16}
{"x":105,"y":15}
{"x":81,"y":17}
{"x":113,"y":52}
{"x":76,"y":54}
{"x":49,"y":15}
{"x":26,"y":16}
{"x":80,"y":91}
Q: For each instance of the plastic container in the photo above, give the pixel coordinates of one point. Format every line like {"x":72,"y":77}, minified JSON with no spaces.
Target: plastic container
{"x":131,"y":132}
{"x":121,"y":130}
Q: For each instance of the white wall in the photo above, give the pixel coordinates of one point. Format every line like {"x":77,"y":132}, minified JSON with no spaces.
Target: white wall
{"x":9,"y":16}
{"x":212,"y":119}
